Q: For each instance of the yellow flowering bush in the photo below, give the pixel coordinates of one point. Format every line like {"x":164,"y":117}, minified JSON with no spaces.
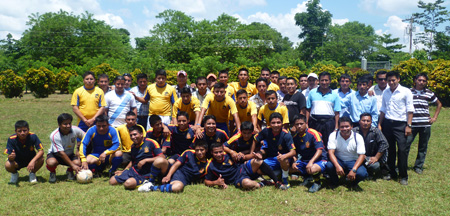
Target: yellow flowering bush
{"x":408,"y":69}
{"x":133,"y":75}
{"x":11,"y":85}
{"x":333,"y":70}
{"x":105,"y":69}
{"x":171,"y":77}
{"x":62,"y":80}
{"x":439,"y":81}
{"x":41,"y":82}
{"x":291,"y":71}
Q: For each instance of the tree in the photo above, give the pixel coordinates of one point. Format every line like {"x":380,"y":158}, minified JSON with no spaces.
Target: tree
{"x":442,"y":42}
{"x":433,"y":14}
{"x":314,"y":24}
{"x":386,"y":47}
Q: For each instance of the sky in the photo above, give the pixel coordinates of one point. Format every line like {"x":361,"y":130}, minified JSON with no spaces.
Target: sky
{"x":138,"y":16}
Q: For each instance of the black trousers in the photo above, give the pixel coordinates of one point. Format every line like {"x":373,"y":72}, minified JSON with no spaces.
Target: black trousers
{"x":324,"y":126}
{"x":394,"y":131}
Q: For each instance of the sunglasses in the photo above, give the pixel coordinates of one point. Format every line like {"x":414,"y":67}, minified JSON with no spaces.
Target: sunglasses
{"x":382,"y":79}
{"x":126,"y":74}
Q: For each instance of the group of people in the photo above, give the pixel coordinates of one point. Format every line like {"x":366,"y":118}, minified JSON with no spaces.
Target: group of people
{"x":166,"y":137}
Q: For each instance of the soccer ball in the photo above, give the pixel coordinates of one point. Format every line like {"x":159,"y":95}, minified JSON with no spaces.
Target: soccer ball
{"x":84,"y":176}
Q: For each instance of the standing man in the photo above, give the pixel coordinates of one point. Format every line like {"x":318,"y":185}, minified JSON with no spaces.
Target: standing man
{"x":283,"y":90}
{"x":272,"y":106}
{"x":188,"y":104}
{"x":344,"y":91}
{"x":313,"y":82}
{"x":103,"y":83}
{"x":359,"y":102}
{"x":211,"y":80}
{"x":323,"y":107}
{"x":118,"y":103}
{"x":182,"y":78}
{"x":303,"y":82}
{"x":294,"y":100}
{"x":246,"y":109}
{"x":229,"y":90}
{"x":274,"y":75}
{"x":244,"y":84}
{"x":378,"y":89}
{"x":202,"y":89}
{"x":128,"y":80}
{"x":421,"y":121}
{"x":395,"y":121}
{"x":265,"y":73}
{"x":139,"y":90}
{"x":260,"y":98}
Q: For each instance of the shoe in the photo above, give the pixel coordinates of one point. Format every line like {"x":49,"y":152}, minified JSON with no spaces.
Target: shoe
{"x":33,"y":178}
{"x":404,"y":181}
{"x":282,"y":186}
{"x":145,"y":187}
{"x":314,"y":188}
{"x":52,"y":178}
{"x":418,"y":171}
{"x":97,"y":174}
{"x":70,"y":175}
{"x":267,"y":182}
{"x":387,"y":177}
{"x":306,"y":181}
{"x":14,"y":178}
{"x":294,"y":177}
{"x":356,"y":188}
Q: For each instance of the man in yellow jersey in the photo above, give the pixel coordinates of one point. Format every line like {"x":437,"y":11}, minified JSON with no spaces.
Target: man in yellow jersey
{"x":88,"y":102}
{"x":219,"y":105}
{"x":161,"y":97}
{"x":229,"y":90}
{"x":265,"y":73}
{"x":246,"y":109}
{"x":244,"y":84}
{"x":124,"y":136}
{"x":188,"y":104}
{"x":271,"y":107}
{"x":274,"y":75}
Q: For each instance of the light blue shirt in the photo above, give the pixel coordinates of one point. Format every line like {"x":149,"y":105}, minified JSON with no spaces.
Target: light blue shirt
{"x":342,"y":96}
{"x":357,"y":105}
{"x":323,"y":104}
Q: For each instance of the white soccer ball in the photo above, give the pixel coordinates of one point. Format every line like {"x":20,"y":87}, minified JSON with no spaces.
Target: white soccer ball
{"x":84,"y":176}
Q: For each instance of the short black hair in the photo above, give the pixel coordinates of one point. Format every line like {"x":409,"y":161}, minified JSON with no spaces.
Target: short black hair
{"x":345,"y":76}
{"x":282,"y":77}
{"x":265,"y":69}
{"x":136,"y":128}
{"x":345,"y":119}
{"x":64,"y":116}
{"x":271,"y":92}
{"x":127,"y":75}
{"x":365,"y":114}
{"x":275,"y":72}
{"x":119,"y":78}
{"x":88,"y":73}
{"x":421,"y":75}
{"x":369,"y":77}
{"x":185,"y":90}
{"x":381,"y":72}
{"x":130,"y":113}
{"x":183,"y":113}
{"x":303,"y":75}
{"x":274,"y":116}
{"x":242,"y":69}
{"x":261,"y":80}
{"x":299,"y":117}
{"x":141,"y":76}
{"x":292,"y":78}
{"x":21,"y":124}
{"x":393,"y":73}
{"x":219,"y":85}
{"x":325,"y":73}
{"x":247,"y":126}
{"x":154,"y":119}
{"x":208,"y":117}
{"x":215,"y":145}
{"x":103,"y":75}
{"x":241,"y":91}
{"x":200,"y":78}
{"x":201,"y":143}
{"x":160,"y":72}
{"x":223,"y":72}
{"x":102,"y":118}
{"x":363,"y":79}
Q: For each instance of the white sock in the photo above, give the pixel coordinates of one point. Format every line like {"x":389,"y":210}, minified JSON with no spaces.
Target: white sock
{"x":285,"y":173}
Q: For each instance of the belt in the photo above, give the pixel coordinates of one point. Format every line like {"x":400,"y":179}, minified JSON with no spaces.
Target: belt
{"x":322,"y":119}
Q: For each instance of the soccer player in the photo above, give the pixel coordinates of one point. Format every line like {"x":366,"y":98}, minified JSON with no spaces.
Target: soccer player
{"x":88,"y":102}
{"x":128,"y":80}
{"x":189,"y":168}
{"x":242,"y":145}
{"x":124,"y":135}
{"x":313,"y":83}
{"x":156,"y":133}
{"x":274,"y":75}
{"x":244,"y":84}
{"x":294,"y":100}
{"x":246,"y":109}
{"x":202,"y":89}
{"x":265,"y":73}
{"x":219,"y":105}
{"x":105,"y":143}
{"x":21,"y":149}
{"x":103,"y":83}
{"x":283,"y":90}
{"x":260,"y":98}
{"x":277,"y":147}
{"x":210,"y":133}
{"x":182,"y":136}
{"x":303,"y":82}
{"x":147,"y":161}
{"x":211,"y":80}
{"x":161,"y":97}
{"x":222,"y":171}
{"x":378,"y":89}
{"x":118,"y":103}
{"x":344,"y":91}
{"x":272,"y":106}
{"x":188,"y":104}
{"x":308,"y":144}
{"x":139,"y":90}
{"x":62,"y":150}
{"x":229,"y":90}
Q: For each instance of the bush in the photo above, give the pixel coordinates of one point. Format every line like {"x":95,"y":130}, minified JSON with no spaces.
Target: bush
{"x":75,"y":81}
{"x":105,"y":69}
{"x":333,"y":70}
{"x":62,"y":80}
{"x":133,"y":75}
{"x":291,"y":71}
{"x":408,"y":69}
{"x":40,"y":81}
{"x":171,"y":77}
{"x":253,"y":73}
{"x":439,"y":81}
{"x":11,"y":85}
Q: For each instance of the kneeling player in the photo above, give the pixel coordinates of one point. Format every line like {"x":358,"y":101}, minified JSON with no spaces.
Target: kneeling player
{"x":221,"y":171}
{"x":309,"y":146}
{"x":62,"y":150}
{"x":242,"y":145}
{"x":21,"y":150}
{"x":147,"y":161}
{"x":156,"y":132}
{"x":189,"y":167}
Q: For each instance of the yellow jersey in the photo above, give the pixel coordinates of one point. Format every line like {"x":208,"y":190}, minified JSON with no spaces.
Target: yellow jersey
{"x":125,"y":139}
{"x":273,"y":86}
{"x":192,"y":107}
{"x":229,"y":91}
{"x":219,"y":109}
{"x":89,"y":101}
{"x":250,"y":88}
{"x":246,"y":113}
{"x":265,"y":112}
{"x":161,"y":99}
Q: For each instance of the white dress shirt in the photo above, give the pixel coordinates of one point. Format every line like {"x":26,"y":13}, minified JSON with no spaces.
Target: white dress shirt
{"x":397,"y":104}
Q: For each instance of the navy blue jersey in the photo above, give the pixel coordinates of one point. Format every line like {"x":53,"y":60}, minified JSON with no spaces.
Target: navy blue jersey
{"x":180,"y":140}
{"x":219,"y":137}
{"x":227,"y":168}
{"x":238,"y":144}
{"x":26,"y":149}
{"x":308,"y":144}
{"x":147,"y":149}
{"x":281,"y":143}
{"x":191,"y":165}
{"x":161,"y":139}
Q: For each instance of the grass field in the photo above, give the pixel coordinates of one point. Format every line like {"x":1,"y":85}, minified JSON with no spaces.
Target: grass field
{"x":427,"y":194}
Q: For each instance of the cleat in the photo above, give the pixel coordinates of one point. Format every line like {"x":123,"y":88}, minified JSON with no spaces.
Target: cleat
{"x":314,"y":188}
{"x":145,"y":187}
{"x":281,"y":186}
{"x":52,"y":178}
{"x":306,"y":181}
{"x":14,"y":178}
{"x":33,"y":179}
{"x":404,"y":181}
{"x":267,"y":182}
{"x":70,"y":176}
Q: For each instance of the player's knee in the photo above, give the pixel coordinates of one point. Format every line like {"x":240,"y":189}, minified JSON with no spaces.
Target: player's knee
{"x":77,"y":162}
{"x":10,"y":167}
{"x":52,"y":162}
{"x":160,"y":162}
{"x":249,"y":184}
{"x":130,"y":184}
{"x":177,"y":187}
{"x":113,"y":181}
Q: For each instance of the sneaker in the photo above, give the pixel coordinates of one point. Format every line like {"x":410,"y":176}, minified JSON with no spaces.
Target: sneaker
{"x":14,"y":178}
{"x":70,"y":175}
{"x":356,"y":188}
{"x":145,"y":187}
{"x":282,"y":186}
{"x":306,"y":181}
{"x":404,"y":181}
{"x":33,"y":177}
{"x":267,"y":182}
{"x":52,"y":178}
{"x":418,"y":171}
{"x":294,"y":177}
{"x":315,"y":187}
{"x":387,"y":177}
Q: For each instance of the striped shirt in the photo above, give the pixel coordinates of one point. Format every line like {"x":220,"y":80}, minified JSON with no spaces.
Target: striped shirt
{"x":421,"y":114}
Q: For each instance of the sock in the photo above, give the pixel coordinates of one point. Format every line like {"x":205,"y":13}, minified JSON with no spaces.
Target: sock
{"x":154,"y":172}
{"x":115,"y":163}
{"x":285,"y":175}
{"x":51,"y":169}
{"x":268,"y":171}
{"x":163,"y":188}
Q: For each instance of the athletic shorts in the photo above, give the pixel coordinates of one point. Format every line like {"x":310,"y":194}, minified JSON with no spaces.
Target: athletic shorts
{"x":223,"y":126}
{"x":301,"y":166}
{"x":126,"y":157}
{"x":130,"y":173}
{"x":23,"y":161}
{"x":180,"y":176}
{"x":273,"y":163}
{"x":164,"y":120}
{"x":72,"y":157}
{"x":245,"y":172}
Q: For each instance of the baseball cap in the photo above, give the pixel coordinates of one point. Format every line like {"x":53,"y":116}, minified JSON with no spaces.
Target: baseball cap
{"x":182,"y":72}
{"x":211,"y":75}
{"x":313,"y":75}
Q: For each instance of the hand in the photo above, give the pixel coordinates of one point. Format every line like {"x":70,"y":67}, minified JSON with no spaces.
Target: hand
{"x":141,"y":164}
{"x":118,"y":172}
{"x":235,"y":155}
{"x":193,"y":85}
{"x":30,"y":166}
{"x":240,"y":156}
{"x":257,"y":155}
{"x":84,"y":165}
{"x":309,"y":167}
{"x":371,"y":93}
{"x":131,"y":92}
{"x":294,"y":166}
{"x":89,"y":122}
{"x":12,"y":156}
{"x":281,"y":157}
{"x":351,"y":176}
{"x":372,"y":160}
{"x":432,"y":120}
{"x":199,"y":133}
{"x":379,"y":127}
{"x":166,"y":131}
{"x":407,"y":131}
{"x":102,"y":157}
{"x":340,"y":171}
{"x":76,"y":168}
{"x":256,"y":130}
{"x":221,"y":182}
{"x":282,"y":104}
{"x":166,"y":180}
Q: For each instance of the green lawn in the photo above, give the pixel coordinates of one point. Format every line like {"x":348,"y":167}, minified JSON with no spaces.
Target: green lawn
{"x":427,"y":194}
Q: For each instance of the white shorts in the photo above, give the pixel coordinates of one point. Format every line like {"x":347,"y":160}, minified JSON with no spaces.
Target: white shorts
{"x":164,"y":120}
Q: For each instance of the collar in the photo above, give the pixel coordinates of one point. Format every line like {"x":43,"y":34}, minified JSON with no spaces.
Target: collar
{"x":273,"y":108}
{"x":328,"y":92}
{"x":165,"y":84}
{"x":71,"y":130}
{"x":89,"y":89}
{"x":243,"y":107}
{"x":365,"y":96}
{"x":243,"y":86}
{"x":186,"y":103}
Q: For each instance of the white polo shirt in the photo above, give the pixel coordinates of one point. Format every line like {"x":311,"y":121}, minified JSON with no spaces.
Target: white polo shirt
{"x":397,"y":104}
{"x":118,"y":106}
{"x":65,"y":143}
{"x":347,"y":149}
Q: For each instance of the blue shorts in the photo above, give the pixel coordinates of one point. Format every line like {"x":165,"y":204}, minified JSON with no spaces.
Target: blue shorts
{"x":301,"y":166}
{"x":83,"y":127}
{"x":223,"y":126}
{"x":180,"y":176}
{"x":273,"y":163}
{"x":130,"y":173}
{"x":245,"y":172}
